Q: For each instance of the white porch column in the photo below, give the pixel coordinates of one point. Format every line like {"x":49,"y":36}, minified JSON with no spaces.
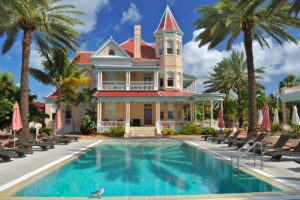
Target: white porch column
{"x":211,"y":113}
{"x":99,"y":84}
{"x":156,"y":78}
{"x":127,"y":113}
{"x":191,"y":111}
{"x":157,"y":114}
{"x":221,"y":105}
{"x":194,"y":85}
{"x":99,"y":113}
{"x":127,"y":80}
{"x":195,"y":112}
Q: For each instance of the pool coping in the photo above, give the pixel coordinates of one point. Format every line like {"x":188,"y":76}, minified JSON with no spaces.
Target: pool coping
{"x":20,"y":182}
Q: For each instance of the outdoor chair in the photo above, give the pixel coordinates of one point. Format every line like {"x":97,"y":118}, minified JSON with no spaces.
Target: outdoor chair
{"x":21,"y":152}
{"x":25,"y":143}
{"x":238,"y":142}
{"x":32,"y":138}
{"x":56,"y":140}
{"x":206,"y":137}
{"x":216,"y":138}
{"x":277,"y":155}
{"x":225,"y":139}
{"x":5,"y":156}
{"x":75,"y":138}
{"x":297,"y":161}
{"x":278,"y":145}
{"x":259,"y":138}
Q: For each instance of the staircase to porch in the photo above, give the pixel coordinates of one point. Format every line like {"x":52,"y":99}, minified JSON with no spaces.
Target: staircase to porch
{"x":143,"y":131}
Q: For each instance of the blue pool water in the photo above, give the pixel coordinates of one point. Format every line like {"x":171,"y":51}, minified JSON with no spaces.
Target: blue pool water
{"x":144,"y":168}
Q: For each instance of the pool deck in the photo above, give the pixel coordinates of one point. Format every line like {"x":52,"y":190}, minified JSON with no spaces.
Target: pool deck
{"x":285,"y":172}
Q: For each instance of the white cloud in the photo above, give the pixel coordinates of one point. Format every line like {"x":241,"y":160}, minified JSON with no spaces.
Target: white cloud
{"x":277,"y":60}
{"x":91,"y":8}
{"x":132,"y":15}
{"x":35,"y":58}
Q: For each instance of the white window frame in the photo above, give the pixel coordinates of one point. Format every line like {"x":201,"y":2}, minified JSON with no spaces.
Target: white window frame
{"x":111,"y":111}
{"x":171,"y":111}
{"x":95,"y":80}
{"x":172,"y":47}
{"x":178,"y":50}
{"x":111,"y":50}
{"x":170,"y":75}
{"x":53,"y":110}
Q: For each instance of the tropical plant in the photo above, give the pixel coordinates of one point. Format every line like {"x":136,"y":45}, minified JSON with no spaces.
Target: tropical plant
{"x":46,"y":22}
{"x":88,"y":126}
{"x":209,"y":131}
{"x":169,"y":131}
{"x":69,"y":101}
{"x":86,"y":96}
{"x":231,"y":75}
{"x":191,"y":129}
{"x":116,"y":131}
{"x":228,"y":18}
{"x":61,"y":73}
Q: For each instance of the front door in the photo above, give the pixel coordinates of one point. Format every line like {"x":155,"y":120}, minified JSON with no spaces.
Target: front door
{"x":148,"y":114}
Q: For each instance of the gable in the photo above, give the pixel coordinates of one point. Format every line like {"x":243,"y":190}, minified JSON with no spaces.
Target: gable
{"x":110,"y":45}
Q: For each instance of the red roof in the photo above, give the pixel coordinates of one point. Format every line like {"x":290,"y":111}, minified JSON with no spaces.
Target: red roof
{"x":147,"y":50}
{"x":167,"y":22}
{"x":82,"y":57}
{"x":40,"y":106}
{"x":167,"y":93}
{"x":52,"y":95}
{"x":126,"y":94}
{"x":172,"y":93}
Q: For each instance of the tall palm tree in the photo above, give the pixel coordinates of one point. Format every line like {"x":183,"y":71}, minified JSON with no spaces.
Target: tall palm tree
{"x":231,"y":75}
{"x":228,"y":18}
{"x":47,"y":22}
{"x":61,"y":73}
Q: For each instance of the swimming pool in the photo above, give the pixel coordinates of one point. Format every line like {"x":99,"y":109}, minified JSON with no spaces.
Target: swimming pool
{"x":144,"y":168}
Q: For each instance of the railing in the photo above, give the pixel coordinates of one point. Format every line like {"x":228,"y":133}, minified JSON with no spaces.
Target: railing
{"x":134,"y":85}
{"x":112,"y":123}
{"x":206,"y":123}
{"x":172,"y":124}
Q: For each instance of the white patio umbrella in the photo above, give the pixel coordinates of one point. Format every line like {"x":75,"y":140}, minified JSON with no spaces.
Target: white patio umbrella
{"x":276,"y":117}
{"x":260,"y":117}
{"x":295,"y":117}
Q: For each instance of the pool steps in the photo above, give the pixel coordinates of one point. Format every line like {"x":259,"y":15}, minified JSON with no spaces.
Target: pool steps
{"x":142,"y":131}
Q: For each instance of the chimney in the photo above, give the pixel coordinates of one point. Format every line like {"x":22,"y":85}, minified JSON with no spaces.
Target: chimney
{"x":137,"y":41}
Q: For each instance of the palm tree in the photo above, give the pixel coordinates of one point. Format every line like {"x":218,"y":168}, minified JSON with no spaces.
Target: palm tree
{"x":295,"y":8}
{"x":228,"y":18}
{"x":61,"y":73}
{"x":48,"y":23}
{"x":231,"y":75}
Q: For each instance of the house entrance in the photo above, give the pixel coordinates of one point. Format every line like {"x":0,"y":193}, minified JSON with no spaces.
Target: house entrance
{"x":148,"y":114}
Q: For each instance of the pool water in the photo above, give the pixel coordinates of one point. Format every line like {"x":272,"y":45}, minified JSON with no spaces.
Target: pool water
{"x":144,"y":168}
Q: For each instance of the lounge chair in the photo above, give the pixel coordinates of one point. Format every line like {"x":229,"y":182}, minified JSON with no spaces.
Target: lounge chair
{"x":297,"y":161}
{"x":237,"y":142}
{"x":56,"y":140}
{"x":206,"y":137}
{"x":25,"y":143}
{"x":259,"y":138}
{"x":278,"y":145}
{"x":32,"y":138}
{"x":277,"y":155}
{"x":21,"y":152}
{"x":5,"y":155}
{"x":75,"y":138}
{"x":216,"y":138}
{"x":226,"y":140}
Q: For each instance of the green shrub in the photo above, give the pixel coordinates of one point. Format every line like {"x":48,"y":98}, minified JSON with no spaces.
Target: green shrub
{"x":46,"y":130}
{"x":191,"y":129}
{"x":88,"y":126}
{"x":116,"y":131}
{"x":176,"y":133}
{"x":295,"y":134}
{"x":275,"y":127}
{"x":209,"y":131}
{"x":169,"y":131}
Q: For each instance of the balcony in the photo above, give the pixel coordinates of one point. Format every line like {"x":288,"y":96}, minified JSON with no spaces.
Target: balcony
{"x":133,"y":85}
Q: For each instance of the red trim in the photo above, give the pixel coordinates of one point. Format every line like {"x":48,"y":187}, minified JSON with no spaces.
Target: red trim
{"x":40,"y":106}
{"x":53,"y":95}
{"x":166,"y":93}
{"x":171,"y":93}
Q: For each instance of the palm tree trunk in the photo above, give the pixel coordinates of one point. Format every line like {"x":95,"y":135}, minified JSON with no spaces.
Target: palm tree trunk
{"x":251,"y":80}
{"x":24,"y":87}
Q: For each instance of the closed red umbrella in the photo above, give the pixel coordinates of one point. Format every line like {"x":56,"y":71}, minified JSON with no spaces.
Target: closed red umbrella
{"x":16,"y":123}
{"x":266,"y":124}
{"x":221,"y":120}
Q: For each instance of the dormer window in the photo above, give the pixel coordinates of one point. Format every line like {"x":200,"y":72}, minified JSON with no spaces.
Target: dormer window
{"x":178,"y":48}
{"x":111,"y":52}
{"x":169,"y":47}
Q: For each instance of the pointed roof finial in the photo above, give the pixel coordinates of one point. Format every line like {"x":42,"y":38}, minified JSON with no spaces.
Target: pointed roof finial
{"x":167,"y":21}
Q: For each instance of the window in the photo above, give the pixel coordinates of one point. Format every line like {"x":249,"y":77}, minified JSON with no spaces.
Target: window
{"x":161,"y":80}
{"x":95,"y":80}
{"x":147,"y":79}
{"x":178,"y":48}
{"x":178,"y":81}
{"x":179,"y":115}
{"x":111,"y":52}
{"x":68,"y":112}
{"x":170,"y":79}
{"x":162,"y":112}
{"x":110,"y":111}
{"x":170,"y":111}
{"x":53,"y":111}
{"x":160,"y":48}
{"x":111,"y":76}
{"x":170,"y":47}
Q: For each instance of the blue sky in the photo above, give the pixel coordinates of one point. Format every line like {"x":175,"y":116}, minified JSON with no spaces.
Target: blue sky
{"x":116,"y":18}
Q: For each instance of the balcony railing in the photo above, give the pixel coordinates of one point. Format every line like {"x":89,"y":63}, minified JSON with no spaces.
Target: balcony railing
{"x":292,"y":89}
{"x":121,"y":85}
{"x":112,"y":123}
{"x":172,"y":124}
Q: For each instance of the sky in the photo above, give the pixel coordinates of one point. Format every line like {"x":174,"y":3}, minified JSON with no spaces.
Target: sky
{"x":116,"y":18}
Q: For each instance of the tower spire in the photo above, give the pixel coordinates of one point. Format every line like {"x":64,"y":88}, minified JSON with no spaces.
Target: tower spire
{"x":167,"y":22}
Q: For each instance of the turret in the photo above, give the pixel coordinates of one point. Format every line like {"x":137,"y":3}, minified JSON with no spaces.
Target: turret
{"x":168,"y":39}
